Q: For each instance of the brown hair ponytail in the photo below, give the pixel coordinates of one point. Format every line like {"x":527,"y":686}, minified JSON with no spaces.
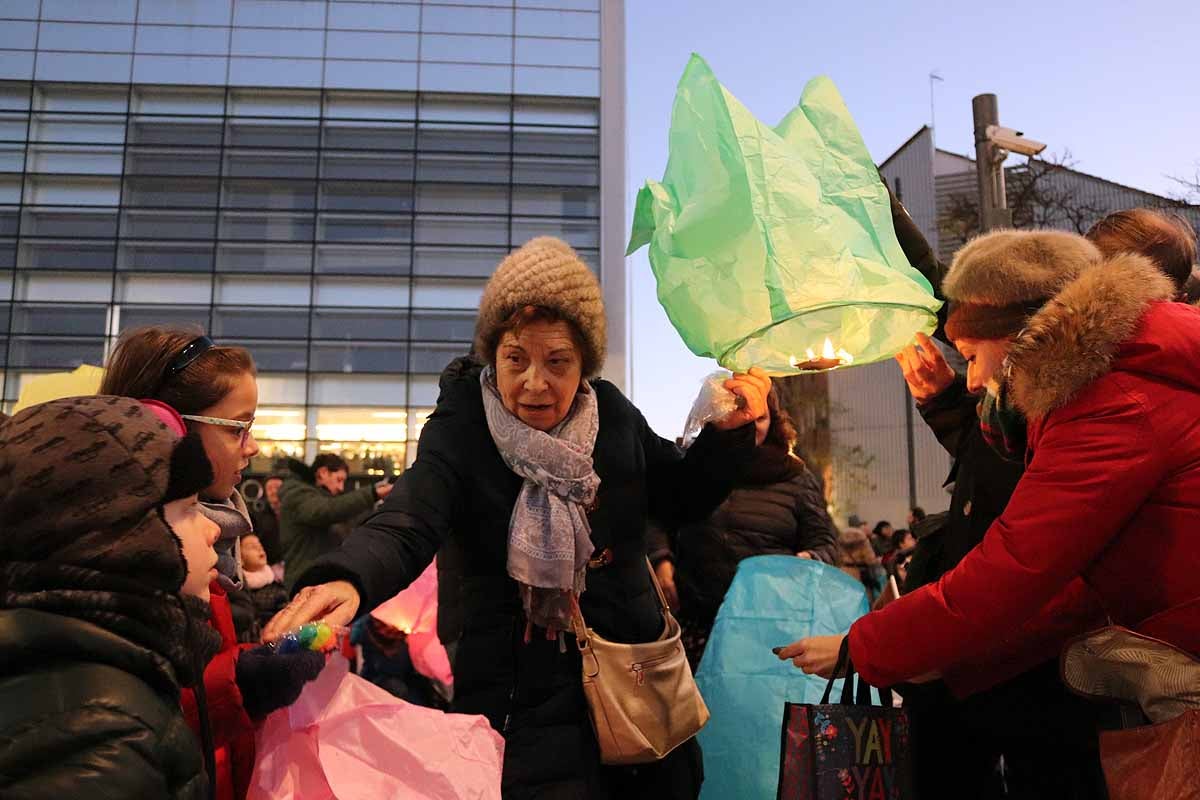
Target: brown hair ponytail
{"x":139,"y":363}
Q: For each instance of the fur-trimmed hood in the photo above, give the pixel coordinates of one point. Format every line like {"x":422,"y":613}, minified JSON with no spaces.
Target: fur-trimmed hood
{"x":1077,"y":336}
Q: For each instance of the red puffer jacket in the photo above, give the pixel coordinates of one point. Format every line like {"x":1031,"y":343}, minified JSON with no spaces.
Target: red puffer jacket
{"x":232,"y":730}
{"x":1109,"y":376}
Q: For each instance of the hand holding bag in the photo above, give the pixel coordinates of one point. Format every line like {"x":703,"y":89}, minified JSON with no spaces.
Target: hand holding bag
{"x":642,"y":698}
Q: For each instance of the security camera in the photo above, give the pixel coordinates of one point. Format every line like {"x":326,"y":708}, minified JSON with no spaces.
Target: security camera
{"x":1013,"y":141}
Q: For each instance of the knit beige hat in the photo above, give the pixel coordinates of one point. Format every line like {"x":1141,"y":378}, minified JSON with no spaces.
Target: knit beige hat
{"x":998,"y":280}
{"x":544,"y":272}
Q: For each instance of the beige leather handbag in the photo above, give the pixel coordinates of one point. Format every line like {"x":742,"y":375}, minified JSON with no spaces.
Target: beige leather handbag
{"x":643,"y":699}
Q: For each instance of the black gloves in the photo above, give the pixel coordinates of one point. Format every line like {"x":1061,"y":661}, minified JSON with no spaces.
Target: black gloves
{"x":270,"y":680}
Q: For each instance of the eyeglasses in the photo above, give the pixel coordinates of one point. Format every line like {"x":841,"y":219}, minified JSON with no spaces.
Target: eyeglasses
{"x":242,"y":424}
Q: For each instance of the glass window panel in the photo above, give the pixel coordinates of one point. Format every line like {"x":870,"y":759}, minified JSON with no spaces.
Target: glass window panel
{"x":381,"y":196}
{"x":14,"y":96}
{"x":375,"y":228}
{"x":558,"y":52}
{"x":359,"y":323}
{"x":556,"y":171}
{"x":458,"y":261}
{"x":12,"y":159}
{"x":175,"y":131}
{"x":475,"y":49}
{"x":373,"y":44}
{"x":139,"y":316}
{"x":65,"y":255}
{"x":362,"y":292}
{"x":108,"y":11}
{"x":264,"y":258}
{"x":556,"y":142}
{"x":556,"y":111}
{"x":8,"y":260}
{"x":462,"y":230}
{"x":424,"y":391}
{"x":268,"y":133}
{"x":165,"y":256}
{"x":13,"y":127}
{"x":82,"y":67}
{"x":436,"y":77}
{"x":71,"y":191}
{"x":363,"y":259}
{"x":8,"y":221}
{"x":359,"y":357}
{"x":345,"y":135}
{"x":577,"y":233}
{"x":275,"y":424}
{"x":275,"y":195}
{"x":77,"y":129}
{"x":260,"y":322}
{"x":578,"y":24}
{"x":361,"y":390}
{"x":574,"y":5}
{"x":210,"y":12}
{"x":85,"y":36}
{"x":449,"y":19}
{"x":463,"y":168}
{"x":433,"y":293}
{"x":375,"y":16}
{"x":274,"y":103}
{"x":568,"y":81}
{"x":247,"y":71}
{"x":6,"y":287}
{"x":155,"y":224}
{"x":276,"y":42}
{"x":444,"y":326}
{"x":59,"y":319}
{"x":430,"y":358}
{"x":367,"y":166}
{"x":16,"y":65}
{"x":199,"y":70}
{"x":178,"y":100}
{"x":74,"y":160}
{"x":81,"y":97}
{"x":369,"y":105}
{"x":467,"y":138}
{"x":362,"y":424}
{"x":151,"y":289}
{"x":77,"y":287}
{"x":556,"y":201}
{"x":280,"y":389}
{"x":275,"y":356}
{"x":182,"y":40}
{"x":69,"y":223}
{"x":462,"y":198}
{"x":19,"y":9}
{"x":465,"y":108}
{"x":46,"y":352}
{"x":270,"y":164}
{"x":273,"y":291}
{"x":399,"y":76}
{"x":268,"y":13}
{"x":268,"y":227}
{"x":160,"y":161}
{"x":174,"y":192}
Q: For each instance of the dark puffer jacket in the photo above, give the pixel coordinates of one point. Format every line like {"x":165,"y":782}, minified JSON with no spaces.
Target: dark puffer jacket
{"x":456,"y":501}
{"x":95,"y":640}
{"x":782,"y":513}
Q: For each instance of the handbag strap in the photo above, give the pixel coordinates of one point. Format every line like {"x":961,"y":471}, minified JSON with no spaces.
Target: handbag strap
{"x":853,"y":692}
{"x":662,"y":598}
{"x":843,"y":660}
{"x":580,"y":625}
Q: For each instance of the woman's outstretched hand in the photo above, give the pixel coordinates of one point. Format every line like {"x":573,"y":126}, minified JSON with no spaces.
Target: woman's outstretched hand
{"x":336,"y":603}
{"x":816,"y":655}
{"x":751,"y":389}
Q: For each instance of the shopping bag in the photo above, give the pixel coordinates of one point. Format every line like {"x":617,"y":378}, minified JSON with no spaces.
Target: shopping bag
{"x":1154,"y":762}
{"x":850,"y":749}
{"x":772,"y":601}
{"x":767,"y":242}
{"x":345,"y":739}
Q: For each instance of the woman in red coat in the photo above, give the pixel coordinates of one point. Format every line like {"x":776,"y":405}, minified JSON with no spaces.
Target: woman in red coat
{"x":1104,"y":368}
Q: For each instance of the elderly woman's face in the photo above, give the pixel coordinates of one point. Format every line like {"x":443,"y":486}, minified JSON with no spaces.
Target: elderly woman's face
{"x":538,"y":372}
{"x":984,"y":359}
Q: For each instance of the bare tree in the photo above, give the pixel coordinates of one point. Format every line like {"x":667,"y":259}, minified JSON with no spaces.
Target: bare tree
{"x":1188,"y":189}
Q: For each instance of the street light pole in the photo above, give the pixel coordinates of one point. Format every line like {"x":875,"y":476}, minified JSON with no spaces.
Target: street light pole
{"x":989,"y":166}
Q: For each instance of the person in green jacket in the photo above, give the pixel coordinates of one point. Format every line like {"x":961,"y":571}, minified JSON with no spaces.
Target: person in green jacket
{"x":311,"y":501}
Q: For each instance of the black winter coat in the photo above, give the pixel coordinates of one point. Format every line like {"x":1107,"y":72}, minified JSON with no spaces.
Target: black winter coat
{"x":87,"y":713}
{"x":456,"y":500}
{"x":781,"y":517}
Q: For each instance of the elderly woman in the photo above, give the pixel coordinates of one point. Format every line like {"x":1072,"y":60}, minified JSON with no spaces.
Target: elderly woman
{"x":1104,"y":369}
{"x":533,"y":484}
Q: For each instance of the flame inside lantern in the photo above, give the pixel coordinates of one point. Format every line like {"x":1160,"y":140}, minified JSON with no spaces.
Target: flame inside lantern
{"x":830,"y":357}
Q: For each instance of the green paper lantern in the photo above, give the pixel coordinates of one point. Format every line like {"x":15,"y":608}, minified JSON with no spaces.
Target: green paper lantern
{"x":766,"y":242}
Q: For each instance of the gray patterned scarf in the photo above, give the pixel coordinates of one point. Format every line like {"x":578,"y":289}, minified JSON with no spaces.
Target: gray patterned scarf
{"x":549,"y":538}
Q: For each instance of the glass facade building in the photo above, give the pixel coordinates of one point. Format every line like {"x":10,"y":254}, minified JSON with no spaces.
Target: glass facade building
{"x":327,"y":183}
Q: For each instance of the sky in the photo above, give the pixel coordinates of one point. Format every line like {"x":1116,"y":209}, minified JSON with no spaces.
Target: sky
{"x":1117,"y":84}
